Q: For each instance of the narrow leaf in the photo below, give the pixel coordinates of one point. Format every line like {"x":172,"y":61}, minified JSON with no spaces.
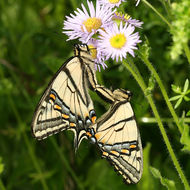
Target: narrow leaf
{"x":185,"y":138}
{"x":144,"y":50}
{"x":169,"y":184}
{"x":186,"y":98}
{"x":175,"y":98}
{"x":151,"y":83}
{"x":187,"y":92}
{"x":1,"y":166}
{"x":186,"y":85}
{"x":37,"y":177}
{"x":178,"y":102}
{"x":176,"y":89}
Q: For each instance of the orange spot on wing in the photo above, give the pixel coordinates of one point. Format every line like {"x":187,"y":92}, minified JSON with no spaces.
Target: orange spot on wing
{"x":133,"y":146}
{"x":114,"y":152}
{"x":93,"y":119}
{"x":52,"y":96}
{"x":65,"y":116}
{"x":88,"y":134}
{"x":125,"y":151}
{"x":105,"y":154}
{"x":72,"y":124}
{"x":57,"y":107}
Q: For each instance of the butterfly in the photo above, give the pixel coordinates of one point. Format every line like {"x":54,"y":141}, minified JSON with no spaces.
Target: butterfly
{"x":66,"y":104}
{"x":117,"y":136}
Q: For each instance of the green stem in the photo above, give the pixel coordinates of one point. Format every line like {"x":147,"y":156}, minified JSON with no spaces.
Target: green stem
{"x":167,"y":7}
{"x":169,"y":3}
{"x":143,"y":86}
{"x":66,"y":164}
{"x":166,"y":120}
{"x":159,"y":14}
{"x":163,"y":90}
{"x":2,"y":187}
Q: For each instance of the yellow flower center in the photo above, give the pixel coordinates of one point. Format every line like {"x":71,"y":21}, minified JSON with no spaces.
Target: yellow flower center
{"x":92,"y":23}
{"x":114,"y":1}
{"x":93,"y":51}
{"x":118,"y":41}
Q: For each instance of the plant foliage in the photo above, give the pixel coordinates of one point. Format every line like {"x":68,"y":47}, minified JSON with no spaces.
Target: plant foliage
{"x":32,"y":48}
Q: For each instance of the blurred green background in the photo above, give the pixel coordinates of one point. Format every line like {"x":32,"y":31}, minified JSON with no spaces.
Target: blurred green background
{"x":32,"y":48}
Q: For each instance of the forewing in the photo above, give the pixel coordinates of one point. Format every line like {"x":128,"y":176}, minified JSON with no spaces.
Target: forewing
{"x":65,"y":104}
{"x":117,"y":135}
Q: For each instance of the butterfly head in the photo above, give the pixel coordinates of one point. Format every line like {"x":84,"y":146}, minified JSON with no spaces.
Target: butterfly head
{"x":83,"y":50}
{"x":122,"y":95}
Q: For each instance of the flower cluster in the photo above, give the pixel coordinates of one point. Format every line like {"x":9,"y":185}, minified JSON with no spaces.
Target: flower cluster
{"x":110,"y":34}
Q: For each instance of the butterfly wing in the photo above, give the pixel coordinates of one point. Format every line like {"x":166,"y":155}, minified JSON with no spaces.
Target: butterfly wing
{"x":65,"y":104}
{"x":117,"y":136}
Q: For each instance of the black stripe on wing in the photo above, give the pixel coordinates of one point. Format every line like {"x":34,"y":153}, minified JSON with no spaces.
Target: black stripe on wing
{"x":112,"y":111}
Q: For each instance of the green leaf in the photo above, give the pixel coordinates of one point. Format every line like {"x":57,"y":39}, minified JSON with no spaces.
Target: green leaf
{"x":151,"y":82}
{"x":169,"y":184}
{"x":151,"y":85}
{"x":38,"y":176}
{"x":144,"y":50}
{"x":187,"y":92}
{"x":175,"y":98}
{"x":176,"y":89}
{"x":186,"y":85}
{"x":186,"y":98}
{"x":185,"y":138}
{"x":178,"y":102}
{"x":1,"y":166}
{"x":188,"y":113}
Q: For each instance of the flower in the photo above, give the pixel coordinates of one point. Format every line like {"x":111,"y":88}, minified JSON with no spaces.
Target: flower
{"x":111,"y":3}
{"x":96,"y":54}
{"x":83,"y":25}
{"x":116,"y":41}
{"x":119,"y":16}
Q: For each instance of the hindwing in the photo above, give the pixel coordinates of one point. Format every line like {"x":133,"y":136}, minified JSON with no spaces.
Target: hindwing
{"x":117,"y":136}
